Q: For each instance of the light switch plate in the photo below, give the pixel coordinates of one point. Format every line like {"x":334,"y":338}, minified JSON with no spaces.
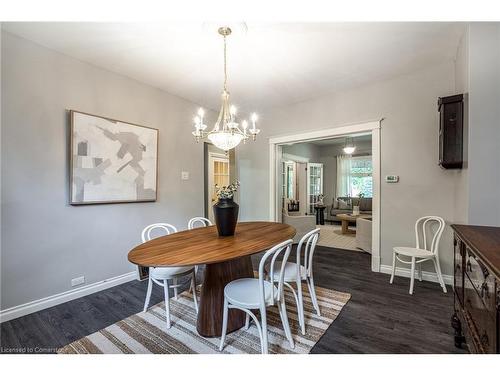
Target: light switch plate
{"x":184,"y":175}
{"x":391,"y":179}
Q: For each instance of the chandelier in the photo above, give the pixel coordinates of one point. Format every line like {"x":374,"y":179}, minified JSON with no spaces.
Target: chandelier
{"x":226,"y":133}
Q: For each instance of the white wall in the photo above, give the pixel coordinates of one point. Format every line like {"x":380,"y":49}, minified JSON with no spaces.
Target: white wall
{"x":462,"y":87}
{"x":45,"y":241}
{"x":484,"y":124}
{"x":303,"y":150}
{"x":409,"y":148}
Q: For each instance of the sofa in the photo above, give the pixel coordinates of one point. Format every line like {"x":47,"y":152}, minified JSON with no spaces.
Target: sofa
{"x":302,"y":223}
{"x":344,"y":205}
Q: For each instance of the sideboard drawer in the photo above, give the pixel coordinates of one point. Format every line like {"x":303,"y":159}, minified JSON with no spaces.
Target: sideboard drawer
{"x":481,"y":279}
{"x":484,"y":322}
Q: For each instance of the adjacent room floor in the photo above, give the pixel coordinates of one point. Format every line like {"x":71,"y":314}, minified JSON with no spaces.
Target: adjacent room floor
{"x":331,"y":236}
{"x":379,"y":318}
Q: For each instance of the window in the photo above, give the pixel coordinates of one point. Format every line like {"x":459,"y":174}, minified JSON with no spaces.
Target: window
{"x":315,"y":184}
{"x":354,"y":176}
{"x":289,"y":181}
{"x":361,"y":176}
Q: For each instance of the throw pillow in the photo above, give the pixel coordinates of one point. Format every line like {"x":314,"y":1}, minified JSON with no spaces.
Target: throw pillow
{"x":343,"y":205}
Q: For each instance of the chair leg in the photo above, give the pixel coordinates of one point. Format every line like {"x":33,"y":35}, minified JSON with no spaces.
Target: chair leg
{"x":420,"y":271}
{"x":439,"y":274}
{"x":193,"y":286}
{"x":412,"y":275}
{"x":300,"y":308}
{"x":176,"y":290}
{"x":263,"y":318}
{"x":167,"y":302}
{"x":284,"y":321}
{"x":247,"y":322}
{"x":393,"y":266}
{"x":148,"y":294}
{"x":312,"y":292}
{"x":224,"y":324}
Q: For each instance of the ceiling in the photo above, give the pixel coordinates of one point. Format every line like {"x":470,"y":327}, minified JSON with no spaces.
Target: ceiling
{"x":269,"y":65}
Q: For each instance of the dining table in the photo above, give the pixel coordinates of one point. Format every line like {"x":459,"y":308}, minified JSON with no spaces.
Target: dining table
{"x":225,"y":258}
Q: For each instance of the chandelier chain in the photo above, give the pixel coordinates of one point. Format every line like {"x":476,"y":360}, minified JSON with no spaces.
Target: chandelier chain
{"x":225,"y":69}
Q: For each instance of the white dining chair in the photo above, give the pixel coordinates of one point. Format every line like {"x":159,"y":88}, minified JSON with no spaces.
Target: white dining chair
{"x":163,"y":275}
{"x":298,"y":272}
{"x":423,"y":251}
{"x":198,"y":222}
{"x":249,"y":294}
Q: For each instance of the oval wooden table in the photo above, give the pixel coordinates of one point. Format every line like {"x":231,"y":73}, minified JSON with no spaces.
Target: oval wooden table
{"x":226,"y":259}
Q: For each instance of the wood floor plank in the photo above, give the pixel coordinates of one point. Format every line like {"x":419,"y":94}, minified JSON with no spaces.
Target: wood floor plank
{"x":379,"y":318}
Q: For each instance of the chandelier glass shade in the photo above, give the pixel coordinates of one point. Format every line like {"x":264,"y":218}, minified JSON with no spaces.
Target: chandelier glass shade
{"x":349,"y":146}
{"x":227,"y":132}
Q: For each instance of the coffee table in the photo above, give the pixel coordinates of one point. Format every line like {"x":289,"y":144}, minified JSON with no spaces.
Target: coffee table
{"x":350,"y":218}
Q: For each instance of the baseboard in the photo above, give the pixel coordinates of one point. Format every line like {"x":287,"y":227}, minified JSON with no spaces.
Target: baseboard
{"x":406,"y":272}
{"x":44,"y":303}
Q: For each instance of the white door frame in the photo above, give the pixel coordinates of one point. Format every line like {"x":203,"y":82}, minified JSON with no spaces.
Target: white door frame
{"x":372,"y":127}
{"x":211,"y":157}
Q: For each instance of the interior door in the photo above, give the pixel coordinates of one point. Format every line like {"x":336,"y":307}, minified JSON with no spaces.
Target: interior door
{"x":314,"y":184}
{"x":218,"y":174}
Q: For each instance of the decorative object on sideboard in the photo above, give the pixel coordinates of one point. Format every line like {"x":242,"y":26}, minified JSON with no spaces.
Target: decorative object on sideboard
{"x":226,"y":133}
{"x":112,"y":161}
{"x":451,"y":109}
{"x":226,"y":209}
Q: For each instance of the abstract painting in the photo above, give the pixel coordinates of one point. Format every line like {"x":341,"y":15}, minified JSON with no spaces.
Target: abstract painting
{"x":112,"y":161}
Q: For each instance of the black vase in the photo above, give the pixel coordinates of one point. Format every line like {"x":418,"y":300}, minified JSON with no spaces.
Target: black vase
{"x":226,"y":216}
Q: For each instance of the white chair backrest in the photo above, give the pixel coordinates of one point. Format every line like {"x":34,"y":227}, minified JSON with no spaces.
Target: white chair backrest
{"x":427,"y":225}
{"x":273,"y":253}
{"x":308,"y":241}
{"x":146,"y":232}
{"x":198,"y":220}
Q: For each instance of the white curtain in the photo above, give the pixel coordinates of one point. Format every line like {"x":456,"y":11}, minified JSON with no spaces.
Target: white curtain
{"x":343,"y":176}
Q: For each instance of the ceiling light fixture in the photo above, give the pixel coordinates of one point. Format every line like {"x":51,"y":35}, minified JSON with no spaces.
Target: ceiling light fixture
{"x":226,"y":133}
{"x":349,"y":147}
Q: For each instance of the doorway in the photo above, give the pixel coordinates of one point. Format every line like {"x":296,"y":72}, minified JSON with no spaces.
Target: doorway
{"x":220,"y":169}
{"x":315,"y":175}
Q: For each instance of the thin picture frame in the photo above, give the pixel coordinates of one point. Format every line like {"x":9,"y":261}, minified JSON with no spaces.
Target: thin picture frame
{"x":72,"y":200}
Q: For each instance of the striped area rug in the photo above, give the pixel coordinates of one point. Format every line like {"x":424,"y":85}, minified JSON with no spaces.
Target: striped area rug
{"x":147,"y":333}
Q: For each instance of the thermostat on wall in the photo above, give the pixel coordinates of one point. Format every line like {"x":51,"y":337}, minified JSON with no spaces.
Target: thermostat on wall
{"x":391,"y":179}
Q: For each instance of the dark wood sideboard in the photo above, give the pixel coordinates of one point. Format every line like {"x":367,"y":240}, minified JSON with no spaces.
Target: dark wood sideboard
{"x":477,"y":288}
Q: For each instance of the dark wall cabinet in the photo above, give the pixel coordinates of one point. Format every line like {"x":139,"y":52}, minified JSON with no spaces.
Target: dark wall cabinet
{"x":477,"y":288}
{"x":451,"y":129}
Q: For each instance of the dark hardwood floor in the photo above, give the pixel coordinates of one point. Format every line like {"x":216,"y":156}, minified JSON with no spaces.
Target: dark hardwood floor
{"x":379,"y":318}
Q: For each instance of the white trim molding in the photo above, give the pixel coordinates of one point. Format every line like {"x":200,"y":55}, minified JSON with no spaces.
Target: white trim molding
{"x":56,"y":299}
{"x":406,"y":272}
{"x":369,"y":127}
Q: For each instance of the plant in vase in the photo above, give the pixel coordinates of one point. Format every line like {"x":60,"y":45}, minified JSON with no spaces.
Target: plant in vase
{"x":226,"y":210}
{"x":355,"y":209}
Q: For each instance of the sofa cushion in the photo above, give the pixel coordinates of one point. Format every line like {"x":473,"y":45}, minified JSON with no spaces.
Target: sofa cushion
{"x":365,"y":204}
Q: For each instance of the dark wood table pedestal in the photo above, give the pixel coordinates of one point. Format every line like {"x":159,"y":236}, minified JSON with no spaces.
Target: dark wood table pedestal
{"x":216,"y":277}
